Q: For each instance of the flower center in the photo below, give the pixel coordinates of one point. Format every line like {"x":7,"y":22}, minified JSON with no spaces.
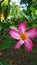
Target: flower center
{"x":23,"y":36}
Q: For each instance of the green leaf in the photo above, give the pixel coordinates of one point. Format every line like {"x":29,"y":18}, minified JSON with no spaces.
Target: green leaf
{"x":33,"y":10}
{"x":5,"y":2}
{"x":7,"y":43}
{"x":13,"y":27}
{"x":3,"y":62}
{"x":0,"y":27}
{"x":26,"y":16}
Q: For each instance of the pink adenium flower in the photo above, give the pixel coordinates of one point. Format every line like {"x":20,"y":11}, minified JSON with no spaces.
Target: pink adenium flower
{"x":24,"y":37}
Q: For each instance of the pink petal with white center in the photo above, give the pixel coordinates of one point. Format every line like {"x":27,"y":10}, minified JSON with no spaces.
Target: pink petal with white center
{"x":14,"y":34}
{"x":32,"y":33}
{"x":22,"y":27}
{"x":18,"y":45}
{"x":28,"y":45}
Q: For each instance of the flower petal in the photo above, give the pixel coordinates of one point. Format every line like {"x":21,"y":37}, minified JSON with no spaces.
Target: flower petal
{"x":36,"y":33}
{"x":32,"y":33}
{"x":28,"y":45}
{"x":18,"y":45}
{"x":14,"y":34}
{"x":22,"y":27}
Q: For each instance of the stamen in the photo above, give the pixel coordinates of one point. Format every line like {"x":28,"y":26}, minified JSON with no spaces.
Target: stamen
{"x":23,"y":36}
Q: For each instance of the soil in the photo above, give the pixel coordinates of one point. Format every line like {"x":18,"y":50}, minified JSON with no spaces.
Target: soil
{"x":19,"y":57}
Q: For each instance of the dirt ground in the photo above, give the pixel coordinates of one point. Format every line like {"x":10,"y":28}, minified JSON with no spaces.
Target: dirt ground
{"x":19,"y":57}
